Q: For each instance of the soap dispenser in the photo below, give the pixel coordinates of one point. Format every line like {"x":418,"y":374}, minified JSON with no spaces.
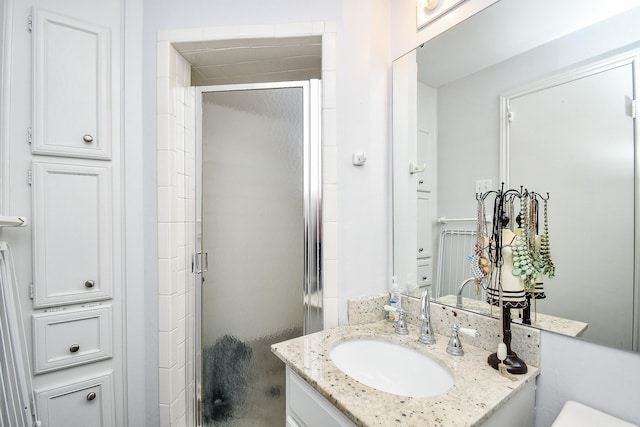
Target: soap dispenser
{"x":395,"y":300}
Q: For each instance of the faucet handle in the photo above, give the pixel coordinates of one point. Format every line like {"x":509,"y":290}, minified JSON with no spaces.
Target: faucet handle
{"x":401,"y":324}
{"x":455,"y":345}
{"x":470,"y":332}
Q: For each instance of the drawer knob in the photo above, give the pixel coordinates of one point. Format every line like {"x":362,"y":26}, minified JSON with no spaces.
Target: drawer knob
{"x":421,"y":181}
{"x":420,"y":249}
{"x":89,"y":284}
{"x":91,"y":396}
{"x":87,"y":138}
{"x":74,"y":348}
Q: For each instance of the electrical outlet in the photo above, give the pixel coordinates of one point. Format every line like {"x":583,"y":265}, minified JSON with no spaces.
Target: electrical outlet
{"x":483,"y":185}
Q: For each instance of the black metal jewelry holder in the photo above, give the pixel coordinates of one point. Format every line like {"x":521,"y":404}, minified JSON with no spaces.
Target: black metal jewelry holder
{"x":512,"y":362}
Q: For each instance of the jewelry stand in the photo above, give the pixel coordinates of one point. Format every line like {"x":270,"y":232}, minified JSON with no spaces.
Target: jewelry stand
{"x":513,"y":363}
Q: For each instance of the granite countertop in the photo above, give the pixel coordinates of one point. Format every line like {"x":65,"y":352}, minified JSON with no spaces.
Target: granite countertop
{"x":477,"y":392}
{"x":559,"y":325}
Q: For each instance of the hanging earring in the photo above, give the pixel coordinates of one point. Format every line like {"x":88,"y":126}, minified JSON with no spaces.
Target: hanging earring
{"x":547,"y":265}
{"x":479,"y":263}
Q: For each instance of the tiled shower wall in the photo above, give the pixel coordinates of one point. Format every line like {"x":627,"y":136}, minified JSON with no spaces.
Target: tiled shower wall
{"x":176,"y":184}
{"x":176,"y":204}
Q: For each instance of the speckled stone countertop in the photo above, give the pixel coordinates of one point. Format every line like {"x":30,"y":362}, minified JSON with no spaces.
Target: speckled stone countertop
{"x":477,"y":392}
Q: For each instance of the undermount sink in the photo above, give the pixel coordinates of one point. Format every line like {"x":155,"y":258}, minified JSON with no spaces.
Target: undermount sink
{"x":391,"y":368}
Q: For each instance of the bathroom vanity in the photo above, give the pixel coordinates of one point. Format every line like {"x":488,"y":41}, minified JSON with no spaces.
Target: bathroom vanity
{"x":319,"y":393}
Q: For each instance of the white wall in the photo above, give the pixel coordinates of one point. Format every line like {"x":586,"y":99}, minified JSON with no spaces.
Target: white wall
{"x":597,"y":376}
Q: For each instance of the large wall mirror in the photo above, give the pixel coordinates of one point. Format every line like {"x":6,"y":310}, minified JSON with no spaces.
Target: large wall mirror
{"x":536,"y":98}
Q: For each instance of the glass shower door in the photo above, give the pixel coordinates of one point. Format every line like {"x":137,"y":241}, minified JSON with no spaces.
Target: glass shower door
{"x":253,"y":229}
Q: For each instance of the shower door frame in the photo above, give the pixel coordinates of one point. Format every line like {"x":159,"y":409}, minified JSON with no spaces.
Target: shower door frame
{"x":312,"y":208}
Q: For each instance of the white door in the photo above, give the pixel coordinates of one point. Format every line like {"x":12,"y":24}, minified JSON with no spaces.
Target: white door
{"x":575,"y":140}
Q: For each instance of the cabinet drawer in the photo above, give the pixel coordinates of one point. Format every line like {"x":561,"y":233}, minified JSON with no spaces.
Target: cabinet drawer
{"x":69,"y":338}
{"x":80,"y":404}
{"x":72,"y":232}
{"x":424,"y":272}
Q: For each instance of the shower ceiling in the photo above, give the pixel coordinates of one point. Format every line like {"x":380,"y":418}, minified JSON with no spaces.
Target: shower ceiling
{"x":221,"y":62}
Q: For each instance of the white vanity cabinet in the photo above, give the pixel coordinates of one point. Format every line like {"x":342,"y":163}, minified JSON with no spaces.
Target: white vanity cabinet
{"x":308,"y":408}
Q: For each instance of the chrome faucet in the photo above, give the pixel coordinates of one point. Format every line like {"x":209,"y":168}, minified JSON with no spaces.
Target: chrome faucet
{"x":426,"y":333}
{"x":460,"y":289}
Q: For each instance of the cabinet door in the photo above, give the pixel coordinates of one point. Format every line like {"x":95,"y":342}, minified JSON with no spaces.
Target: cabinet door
{"x":72,"y":231}
{"x":424,"y":224}
{"x":71,"y":89}
{"x":71,"y":337}
{"x":80,"y":404}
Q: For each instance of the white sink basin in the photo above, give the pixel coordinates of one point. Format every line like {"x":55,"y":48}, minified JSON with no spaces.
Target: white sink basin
{"x":392,"y":368}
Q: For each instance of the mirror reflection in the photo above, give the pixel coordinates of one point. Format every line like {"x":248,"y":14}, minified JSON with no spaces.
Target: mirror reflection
{"x":549,"y":108}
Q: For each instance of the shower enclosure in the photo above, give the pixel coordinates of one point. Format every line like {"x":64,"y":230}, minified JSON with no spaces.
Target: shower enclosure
{"x":258,"y":244}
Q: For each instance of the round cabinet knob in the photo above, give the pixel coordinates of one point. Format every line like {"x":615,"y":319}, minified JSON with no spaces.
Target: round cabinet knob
{"x":424,"y":277}
{"x":89,"y":284}
{"x":87,"y":138}
{"x":420,"y":250}
{"x":74,"y":348}
{"x":421,"y":181}
{"x":91,"y":396}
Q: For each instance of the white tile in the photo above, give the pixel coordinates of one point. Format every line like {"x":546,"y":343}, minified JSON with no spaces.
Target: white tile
{"x":179,"y":76}
{"x":164,"y":385}
{"x":258,"y":31}
{"x":179,"y":110}
{"x":164,"y":347}
{"x":185,"y":35}
{"x":330,"y":312}
{"x":166,"y":168}
{"x":329,"y":165}
{"x":166,"y":241}
{"x":330,"y":27}
{"x":177,"y":409}
{"x":166,"y":129}
{"x":330,"y":240}
{"x":165,"y":104}
{"x":166,"y":200}
{"x":330,"y":202}
{"x":181,"y":284}
{"x":164,"y":313}
{"x":223,"y":32}
{"x":165,"y":274}
{"x":178,"y":381}
{"x":329,"y":51}
{"x":181,"y":213}
{"x":329,"y":127}
{"x":181,"y":360}
{"x":295,"y":29}
{"x":165,"y":415}
{"x":180,"y":154}
{"x":175,"y":341}
{"x":182,"y":252}
{"x":180,"y":186}
{"x":328,"y":89}
{"x":330,"y":278}
{"x":162,"y":60}
{"x":178,"y":309}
